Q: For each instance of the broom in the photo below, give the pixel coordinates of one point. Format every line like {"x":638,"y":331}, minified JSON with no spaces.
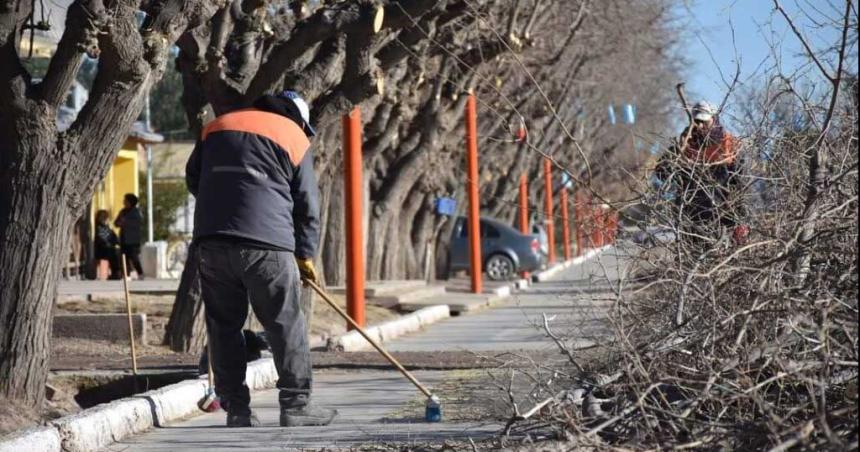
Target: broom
{"x":209,"y":403}
{"x":432,"y":407}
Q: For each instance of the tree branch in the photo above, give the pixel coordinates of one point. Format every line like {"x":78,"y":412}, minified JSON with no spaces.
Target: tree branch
{"x":85,"y":20}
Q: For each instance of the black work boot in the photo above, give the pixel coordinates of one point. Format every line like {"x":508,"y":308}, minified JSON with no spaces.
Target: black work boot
{"x":242,"y":420}
{"x":306,"y":416}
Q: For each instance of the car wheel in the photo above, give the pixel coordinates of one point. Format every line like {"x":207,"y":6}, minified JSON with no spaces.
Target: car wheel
{"x":500,"y":267}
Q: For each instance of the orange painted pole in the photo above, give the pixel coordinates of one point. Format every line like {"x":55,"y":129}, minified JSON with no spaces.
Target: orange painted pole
{"x":565,"y":224}
{"x":547,"y":175}
{"x":599,"y":226}
{"x":588,"y":215}
{"x":524,"y":209}
{"x":352,"y":165}
{"x":473,"y":219}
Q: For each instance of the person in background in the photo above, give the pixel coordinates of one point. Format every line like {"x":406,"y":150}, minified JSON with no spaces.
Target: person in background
{"x":706,"y":168}
{"x":106,"y":243}
{"x":129,"y":223}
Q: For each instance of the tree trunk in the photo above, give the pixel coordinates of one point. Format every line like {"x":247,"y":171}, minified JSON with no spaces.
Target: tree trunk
{"x":88,"y":261}
{"x":443,"y":239}
{"x":34,"y":233}
{"x":186,"y":330}
{"x":410,"y":262}
{"x":332,"y":253}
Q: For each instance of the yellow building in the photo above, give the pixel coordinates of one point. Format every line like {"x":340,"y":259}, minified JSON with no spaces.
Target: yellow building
{"x":122,"y":178}
{"x":124,"y":174}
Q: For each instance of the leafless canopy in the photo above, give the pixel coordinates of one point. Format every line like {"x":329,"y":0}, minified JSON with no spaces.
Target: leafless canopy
{"x":741,"y":346}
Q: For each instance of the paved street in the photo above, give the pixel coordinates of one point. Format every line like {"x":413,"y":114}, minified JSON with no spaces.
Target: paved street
{"x":364,"y":398}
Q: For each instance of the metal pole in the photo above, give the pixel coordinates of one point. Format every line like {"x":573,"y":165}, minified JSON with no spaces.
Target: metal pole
{"x":565,"y":224}
{"x":524,"y":209}
{"x":472,"y":189}
{"x":352,"y":165}
{"x":547,"y":174}
{"x":150,"y":233}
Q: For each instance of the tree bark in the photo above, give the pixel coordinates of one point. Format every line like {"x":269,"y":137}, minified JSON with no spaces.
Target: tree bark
{"x":185,"y":331}
{"x":34,"y":237}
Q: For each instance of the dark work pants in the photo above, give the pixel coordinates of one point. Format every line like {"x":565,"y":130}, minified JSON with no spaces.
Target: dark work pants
{"x":132,"y":259}
{"x":230,"y":275}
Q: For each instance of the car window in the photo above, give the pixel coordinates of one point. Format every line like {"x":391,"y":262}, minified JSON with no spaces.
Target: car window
{"x":487,"y":230}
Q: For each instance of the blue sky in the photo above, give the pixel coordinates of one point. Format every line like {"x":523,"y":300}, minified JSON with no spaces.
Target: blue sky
{"x":762,"y":39}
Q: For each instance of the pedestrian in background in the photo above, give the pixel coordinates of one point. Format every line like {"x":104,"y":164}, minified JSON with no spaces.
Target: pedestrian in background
{"x":106,"y":243}
{"x":129,"y":221}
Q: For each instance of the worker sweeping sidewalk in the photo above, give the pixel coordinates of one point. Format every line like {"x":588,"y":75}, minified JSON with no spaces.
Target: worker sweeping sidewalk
{"x":257,"y":225}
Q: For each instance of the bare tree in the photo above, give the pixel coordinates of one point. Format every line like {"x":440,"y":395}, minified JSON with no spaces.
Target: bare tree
{"x":740,"y":346}
{"x":46,"y":176}
{"x":542,"y":63}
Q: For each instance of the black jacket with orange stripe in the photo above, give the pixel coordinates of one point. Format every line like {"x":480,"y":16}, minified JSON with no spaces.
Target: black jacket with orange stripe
{"x":252,"y":175}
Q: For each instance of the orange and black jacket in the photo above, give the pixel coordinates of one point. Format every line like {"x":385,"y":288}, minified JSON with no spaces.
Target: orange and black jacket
{"x":716,"y":147}
{"x":252,"y":175}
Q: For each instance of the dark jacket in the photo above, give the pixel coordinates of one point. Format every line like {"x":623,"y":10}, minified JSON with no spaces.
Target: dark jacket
{"x":104,"y":245}
{"x":129,"y":223}
{"x":252,"y":174}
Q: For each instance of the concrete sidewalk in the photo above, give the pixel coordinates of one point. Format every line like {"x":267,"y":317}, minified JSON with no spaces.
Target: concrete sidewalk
{"x":517,"y":322}
{"x":364,"y":398}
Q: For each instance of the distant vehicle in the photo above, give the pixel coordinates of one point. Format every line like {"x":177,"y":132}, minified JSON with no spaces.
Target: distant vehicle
{"x":505,"y":250}
{"x":653,"y":236}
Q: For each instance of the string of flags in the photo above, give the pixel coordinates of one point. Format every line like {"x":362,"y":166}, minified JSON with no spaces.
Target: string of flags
{"x":628,"y":112}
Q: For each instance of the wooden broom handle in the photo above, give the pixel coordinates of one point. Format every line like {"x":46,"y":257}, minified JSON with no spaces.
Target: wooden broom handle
{"x":378,"y":347}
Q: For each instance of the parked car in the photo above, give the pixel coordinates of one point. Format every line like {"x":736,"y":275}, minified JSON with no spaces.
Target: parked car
{"x":505,"y":250}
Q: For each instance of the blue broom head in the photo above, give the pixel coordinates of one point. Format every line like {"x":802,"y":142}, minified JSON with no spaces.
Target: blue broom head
{"x":433,"y":409}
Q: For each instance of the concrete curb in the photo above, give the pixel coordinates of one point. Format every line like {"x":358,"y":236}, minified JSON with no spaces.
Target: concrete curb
{"x":522,"y":284}
{"x":100,"y":426}
{"x":45,"y":439}
{"x":354,"y":341}
{"x":550,"y":272}
{"x":176,"y":401}
{"x":503,"y":291}
{"x":261,"y":374}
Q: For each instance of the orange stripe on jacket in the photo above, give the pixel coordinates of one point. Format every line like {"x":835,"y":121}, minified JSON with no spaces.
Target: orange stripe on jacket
{"x":283,"y":131}
{"x":724,"y":152}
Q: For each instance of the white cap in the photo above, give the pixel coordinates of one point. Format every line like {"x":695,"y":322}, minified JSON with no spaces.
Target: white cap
{"x":703,"y":111}
{"x":304,"y":110}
